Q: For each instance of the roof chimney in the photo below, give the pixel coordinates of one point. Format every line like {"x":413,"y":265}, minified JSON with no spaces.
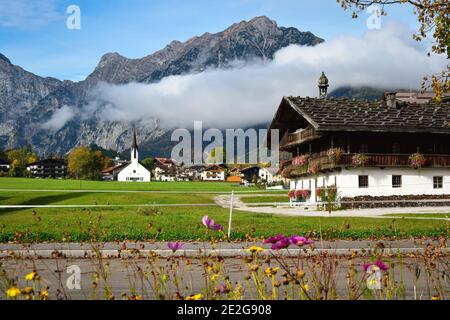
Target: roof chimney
{"x":323,"y":86}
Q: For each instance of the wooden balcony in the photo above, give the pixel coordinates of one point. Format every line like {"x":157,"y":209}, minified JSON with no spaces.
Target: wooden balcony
{"x":322,"y":162}
{"x":295,"y":138}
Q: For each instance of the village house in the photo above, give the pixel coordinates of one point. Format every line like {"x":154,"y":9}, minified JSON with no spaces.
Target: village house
{"x":165,"y":173}
{"x":133,"y":171}
{"x":4,"y":166}
{"x":214,"y":172}
{"x":387,"y":148}
{"x":193,"y":172}
{"x":48,"y":168}
{"x":270,"y":175}
{"x":235,"y":176}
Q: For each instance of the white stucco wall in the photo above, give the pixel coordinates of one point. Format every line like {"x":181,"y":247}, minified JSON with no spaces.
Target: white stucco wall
{"x":135,"y":171}
{"x":414,"y":182}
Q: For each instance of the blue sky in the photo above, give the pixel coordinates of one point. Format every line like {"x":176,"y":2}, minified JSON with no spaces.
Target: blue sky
{"x":33,"y":34}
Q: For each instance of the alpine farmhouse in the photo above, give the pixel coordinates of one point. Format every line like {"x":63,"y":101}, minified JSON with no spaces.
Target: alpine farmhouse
{"x":382,"y":149}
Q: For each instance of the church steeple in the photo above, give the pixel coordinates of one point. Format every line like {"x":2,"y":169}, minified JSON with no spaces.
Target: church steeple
{"x":134,"y":147}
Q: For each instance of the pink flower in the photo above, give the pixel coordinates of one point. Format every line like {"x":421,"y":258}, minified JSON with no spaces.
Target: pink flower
{"x":174,"y":246}
{"x":378,"y":263}
{"x":300,"y":241}
{"x":209,"y":223}
{"x":281,"y":244}
{"x":381,"y":265}
{"x":274,"y":239}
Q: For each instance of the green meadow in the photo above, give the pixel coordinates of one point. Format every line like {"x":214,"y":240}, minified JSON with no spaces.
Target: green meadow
{"x":184,"y":223}
{"x":55,"y":184}
{"x":130,"y":211}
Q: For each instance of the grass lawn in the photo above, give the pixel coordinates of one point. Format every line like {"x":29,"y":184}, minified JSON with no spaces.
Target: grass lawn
{"x":100,"y":198}
{"x":184,"y":223}
{"x":54,"y":184}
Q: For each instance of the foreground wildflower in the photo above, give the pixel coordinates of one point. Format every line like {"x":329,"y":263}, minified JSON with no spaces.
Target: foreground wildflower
{"x":174,"y":246}
{"x":43,"y":295}
{"x":282,"y":244}
{"x":13,"y":292}
{"x":274,"y":239}
{"x":194,"y":297}
{"x":32,"y":276}
{"x":210,"y":224}
{"x":254,"y":249}
{"x":378,"y":264}
{"x":300,"y":241}
{"x":270,"y":272}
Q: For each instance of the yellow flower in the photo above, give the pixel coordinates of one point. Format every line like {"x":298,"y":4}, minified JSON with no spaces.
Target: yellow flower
{"x":32,"y":276}
{"x":13,"y":292}
{"x":214,"y":277}
{"x":28,"y":290}
{"x":194,"y":297}
{"x":435,"y":298}
{"x":165,"y":277}
{"x":305,"y":287}
{"x":254,"y":249}
{"x":43,"y":295}
{"x":270,"y":272}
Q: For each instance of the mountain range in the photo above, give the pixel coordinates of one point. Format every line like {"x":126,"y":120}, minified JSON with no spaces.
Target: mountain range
{"x":28,"y":101}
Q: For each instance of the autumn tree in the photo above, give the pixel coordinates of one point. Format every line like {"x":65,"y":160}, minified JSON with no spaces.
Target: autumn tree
{"x":434,"y":22}
{"x":19,"y":159}
{"x":83,"y":163}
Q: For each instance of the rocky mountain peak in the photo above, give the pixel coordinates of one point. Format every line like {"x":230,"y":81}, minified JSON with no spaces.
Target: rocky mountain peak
{"x":27,"y":101}
{"x":3,"y":58}
{"x":111,"y":57}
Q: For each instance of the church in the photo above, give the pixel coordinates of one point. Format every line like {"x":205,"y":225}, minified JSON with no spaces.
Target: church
{"x":134,"y":171}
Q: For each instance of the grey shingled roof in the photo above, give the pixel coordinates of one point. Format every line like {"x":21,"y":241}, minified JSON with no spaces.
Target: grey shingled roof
{"x":358,"y":115}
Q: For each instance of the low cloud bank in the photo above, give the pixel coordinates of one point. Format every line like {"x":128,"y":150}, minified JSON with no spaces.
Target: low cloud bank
{"x":59,"y":118}
{"x":250,"y":94}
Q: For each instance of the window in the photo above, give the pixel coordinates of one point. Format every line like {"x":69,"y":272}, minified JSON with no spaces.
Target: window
{"x":396,"y":181}
{"x":363,"y":181}
{"x":396,"y":147}
{"x":364,"y":148}
{"x":438,"y":182}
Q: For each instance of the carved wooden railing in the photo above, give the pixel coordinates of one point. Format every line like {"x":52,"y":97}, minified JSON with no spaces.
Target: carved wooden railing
{"x":321,"y":161}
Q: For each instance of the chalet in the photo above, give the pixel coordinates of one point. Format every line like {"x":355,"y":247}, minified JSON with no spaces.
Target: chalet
{"x":270,"y":175}
{"x":112,"y":173}
{"x":165,"y":173}
{"x":235,"y":175}
{"x":383,"y":148}
{"x":213,"y":173}
{"x":48,"y":168}
{"x":193,"y":173}
{"x":134,"y":171}
{"x":165,"y":162}
{"x":251,"y":174}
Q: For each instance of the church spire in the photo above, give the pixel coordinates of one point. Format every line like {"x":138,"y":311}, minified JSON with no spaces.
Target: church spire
{"x":134,"y":146}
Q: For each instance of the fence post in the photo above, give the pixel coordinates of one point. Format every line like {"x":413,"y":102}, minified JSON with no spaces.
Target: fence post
{"x":231,"y":214}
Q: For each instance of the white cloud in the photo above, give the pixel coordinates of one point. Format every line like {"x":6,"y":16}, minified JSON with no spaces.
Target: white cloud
{"x":26,"y":14}
{"x":59,"y":118}
{"x":249,"y":95}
